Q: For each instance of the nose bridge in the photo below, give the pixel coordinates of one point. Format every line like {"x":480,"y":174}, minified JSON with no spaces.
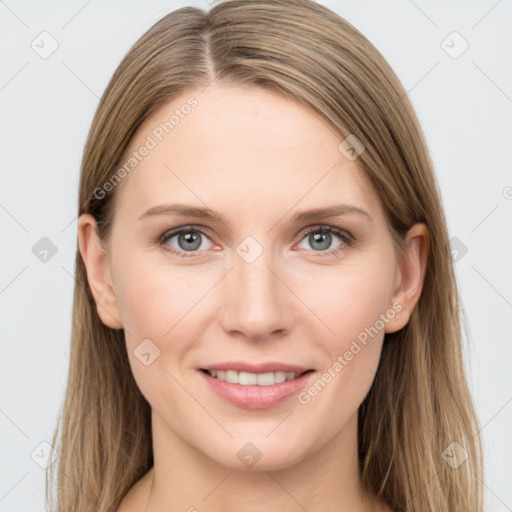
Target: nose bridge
{"x":257,"y":304}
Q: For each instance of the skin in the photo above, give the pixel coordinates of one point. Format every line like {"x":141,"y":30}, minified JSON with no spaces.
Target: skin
{"x":256,"y":158}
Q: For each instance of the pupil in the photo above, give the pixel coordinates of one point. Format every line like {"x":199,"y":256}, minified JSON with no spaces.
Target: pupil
{"x":190,"y":238}
{"x":193,"y":240}
{"x":318,"y":238}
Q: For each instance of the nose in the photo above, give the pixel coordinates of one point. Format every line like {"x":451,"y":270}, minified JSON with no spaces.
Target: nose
{"x":256,"y":302}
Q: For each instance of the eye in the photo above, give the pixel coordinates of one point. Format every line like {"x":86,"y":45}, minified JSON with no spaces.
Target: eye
{"x":321,"y":237}
{"x":188,"y":240}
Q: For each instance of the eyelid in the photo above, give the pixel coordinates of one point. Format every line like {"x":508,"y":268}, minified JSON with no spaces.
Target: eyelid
{"x":346,"y":237}
{"x":171,"y":233}
{"x":328,"y":228}
{"x":188,"y":227}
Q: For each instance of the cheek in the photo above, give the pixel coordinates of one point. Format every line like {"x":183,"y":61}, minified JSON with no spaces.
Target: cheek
{"x":348,"y":299}
{"x":157,"y":310}
{"x":154,"y":296}
{"x":168,"y":305}
{"x":353,"y":305}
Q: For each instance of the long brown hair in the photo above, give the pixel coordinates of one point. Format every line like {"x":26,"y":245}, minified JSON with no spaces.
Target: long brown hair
{"x":419,"y":407}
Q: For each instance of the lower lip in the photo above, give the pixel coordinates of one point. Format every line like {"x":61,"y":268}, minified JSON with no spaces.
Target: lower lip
{"x":256,"y":397}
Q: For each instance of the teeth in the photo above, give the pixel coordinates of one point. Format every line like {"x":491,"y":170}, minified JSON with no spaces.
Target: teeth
{"x":232,"y":376}
{"x":252,"y":379}
{"x":249,"y":379}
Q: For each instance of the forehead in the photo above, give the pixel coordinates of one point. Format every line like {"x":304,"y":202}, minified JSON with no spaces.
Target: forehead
{"x":242,"y":148}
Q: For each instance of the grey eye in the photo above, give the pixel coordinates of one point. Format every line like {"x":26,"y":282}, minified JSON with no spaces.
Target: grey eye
{"x":188,"y":240}
{"x":321,"y":239}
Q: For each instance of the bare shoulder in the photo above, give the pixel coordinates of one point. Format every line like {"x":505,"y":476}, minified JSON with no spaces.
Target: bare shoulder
{"x":135,"y":499}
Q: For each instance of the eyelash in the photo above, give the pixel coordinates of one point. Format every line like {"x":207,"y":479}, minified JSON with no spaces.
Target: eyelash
{"x":345,"y":236}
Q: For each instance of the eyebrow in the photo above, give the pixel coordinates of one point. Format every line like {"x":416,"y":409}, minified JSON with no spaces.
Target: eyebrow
{"x":198,"y":212}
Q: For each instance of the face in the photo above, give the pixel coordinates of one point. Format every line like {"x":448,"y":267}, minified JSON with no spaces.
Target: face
{"x":258,"y":292}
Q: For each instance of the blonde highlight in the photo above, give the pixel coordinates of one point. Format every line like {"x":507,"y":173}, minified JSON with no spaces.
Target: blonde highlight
{"x":419,"y":402}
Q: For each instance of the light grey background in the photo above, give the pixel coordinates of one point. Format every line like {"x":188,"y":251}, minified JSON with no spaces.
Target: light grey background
{"x":464,"y":105}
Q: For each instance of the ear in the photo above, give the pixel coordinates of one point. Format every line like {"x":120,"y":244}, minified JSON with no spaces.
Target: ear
{"x":410,"y":275}
{"x":95,"y":258}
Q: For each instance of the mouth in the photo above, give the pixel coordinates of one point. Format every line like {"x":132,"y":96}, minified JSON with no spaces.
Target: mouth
{"x":254,"y":379}
{"x":257,"y":389}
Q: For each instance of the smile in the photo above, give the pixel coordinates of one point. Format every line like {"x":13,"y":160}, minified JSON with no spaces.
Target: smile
{"x":253,"y":379}
{"x":249,"y":390}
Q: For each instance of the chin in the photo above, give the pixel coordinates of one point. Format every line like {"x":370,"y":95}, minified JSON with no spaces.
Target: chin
{"x":254,"y":456}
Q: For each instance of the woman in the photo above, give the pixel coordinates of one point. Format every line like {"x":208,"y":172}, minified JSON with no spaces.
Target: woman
{"x":220,"y":359}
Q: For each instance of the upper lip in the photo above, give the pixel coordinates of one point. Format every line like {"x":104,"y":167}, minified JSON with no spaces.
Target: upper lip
{"x":271,"y":366}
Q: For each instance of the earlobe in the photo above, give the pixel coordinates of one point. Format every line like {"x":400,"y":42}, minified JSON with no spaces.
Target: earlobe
{"x":95,"y":258}
{"x":411,"y":275}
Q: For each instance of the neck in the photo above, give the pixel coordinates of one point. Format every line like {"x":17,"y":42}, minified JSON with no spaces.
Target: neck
{"x":183,"y":479}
